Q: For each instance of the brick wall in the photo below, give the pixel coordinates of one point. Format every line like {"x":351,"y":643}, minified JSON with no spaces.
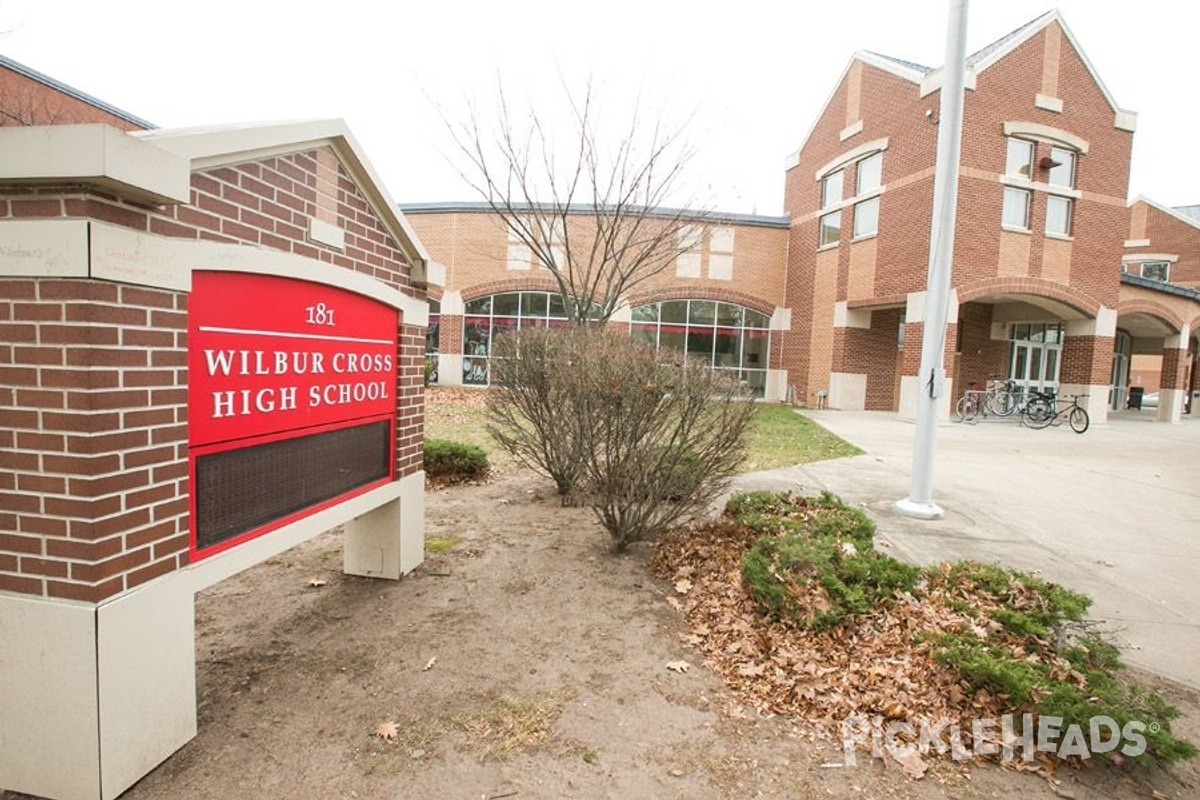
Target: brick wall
{"x":93,"y":397}
{"x":872,"y":352}
{"x":93,"y":414}
{"x":1170,"y":235}
{"x":1005,"y":92}
{"x":980,"y":357}
{"x":1086,"y":360}
{"x":25,"y":101}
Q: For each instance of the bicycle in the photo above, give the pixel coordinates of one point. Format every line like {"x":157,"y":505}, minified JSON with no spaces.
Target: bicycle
{"x":1042,"y":411}
{"x":1000,"y":399}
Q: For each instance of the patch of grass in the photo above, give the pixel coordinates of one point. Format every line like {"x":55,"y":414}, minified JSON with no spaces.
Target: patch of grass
{"x":440,"y":544}
{"x":459,"y":414}
{"x":781,"y":437}
{"x":505,"y":726}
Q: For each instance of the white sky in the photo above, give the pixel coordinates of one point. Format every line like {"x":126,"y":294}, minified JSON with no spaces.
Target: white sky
{"x":753,"y":76}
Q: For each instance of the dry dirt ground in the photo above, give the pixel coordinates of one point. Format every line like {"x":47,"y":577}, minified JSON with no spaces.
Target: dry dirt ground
{"x":525,"y":662}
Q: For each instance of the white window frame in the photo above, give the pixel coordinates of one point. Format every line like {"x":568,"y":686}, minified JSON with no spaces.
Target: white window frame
{"x":1166,"y":265}
{"x":1012,"y":191}
{"x":822,"y":240}
{"x":859,"y":232}
{"x":828,"y":183}
{"x":1031,"y":149}
{"x":1059,"y":201}
{"x":873,"y":171}
{"x":1062,"y":158}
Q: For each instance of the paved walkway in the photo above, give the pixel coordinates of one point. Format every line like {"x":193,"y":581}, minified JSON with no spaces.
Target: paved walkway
{"x":1114,"y":513}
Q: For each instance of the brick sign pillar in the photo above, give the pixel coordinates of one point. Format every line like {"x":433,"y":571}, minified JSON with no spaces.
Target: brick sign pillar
{"x":200,"y":367}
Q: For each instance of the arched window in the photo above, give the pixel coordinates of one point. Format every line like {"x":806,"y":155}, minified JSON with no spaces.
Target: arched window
{"x":729,"y":337}
{"x":485,"y":318}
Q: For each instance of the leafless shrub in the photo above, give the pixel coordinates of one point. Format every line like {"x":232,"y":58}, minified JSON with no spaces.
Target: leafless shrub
{"x":645,"y":438}
{"x":531,"y":397}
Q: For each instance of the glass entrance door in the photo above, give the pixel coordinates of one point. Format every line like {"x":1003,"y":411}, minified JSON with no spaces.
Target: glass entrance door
{"x":1118,"y":391}
{"x":1034,"y":356}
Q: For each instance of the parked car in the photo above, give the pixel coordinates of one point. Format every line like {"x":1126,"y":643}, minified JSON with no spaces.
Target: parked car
{"x":1150,"y":400}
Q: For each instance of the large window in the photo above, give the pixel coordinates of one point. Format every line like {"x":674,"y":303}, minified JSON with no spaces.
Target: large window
{"x":868,"y":179}
{"x":1062,"y":168}
{"x":831,"y":195}
{"x":727,"y":336}
{"x":488,"y":317}
{"x":1024,"y":173}
{"x":831,"y":189}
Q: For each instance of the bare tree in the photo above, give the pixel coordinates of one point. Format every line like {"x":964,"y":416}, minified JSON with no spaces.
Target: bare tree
{"x":592,"y":213}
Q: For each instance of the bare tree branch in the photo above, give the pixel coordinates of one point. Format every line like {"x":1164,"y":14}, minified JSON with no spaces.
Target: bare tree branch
{"x":591,"y":212}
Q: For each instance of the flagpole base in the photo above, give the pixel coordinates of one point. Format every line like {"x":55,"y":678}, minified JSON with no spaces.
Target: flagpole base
{"x":911,"y":508}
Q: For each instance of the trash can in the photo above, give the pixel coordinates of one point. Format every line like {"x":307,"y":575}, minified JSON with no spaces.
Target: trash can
{"x":1135,"y":397}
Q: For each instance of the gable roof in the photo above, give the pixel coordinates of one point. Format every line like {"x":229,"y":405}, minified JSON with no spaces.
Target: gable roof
{"x":988,"y":55}
{"x":1189,"y":211}
{"x":1189,"y":215}
{"x":929,"y":78}
{"x":985,"y":57}
{"x":223,"y":145}
{"x":70,"y":91}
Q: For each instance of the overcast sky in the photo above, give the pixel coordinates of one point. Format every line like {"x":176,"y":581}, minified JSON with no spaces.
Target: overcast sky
{"x":750,"y":76}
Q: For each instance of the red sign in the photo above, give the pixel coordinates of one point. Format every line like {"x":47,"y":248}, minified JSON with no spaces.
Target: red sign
{"x":267,"y":355}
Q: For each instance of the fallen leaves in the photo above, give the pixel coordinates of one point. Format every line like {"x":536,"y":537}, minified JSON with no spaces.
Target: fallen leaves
{"x":910,"y":761}
{"x":387,"y":731}
{"x":678,"y":666}
{"x":429,"y":664}
{"x":875,"y":667}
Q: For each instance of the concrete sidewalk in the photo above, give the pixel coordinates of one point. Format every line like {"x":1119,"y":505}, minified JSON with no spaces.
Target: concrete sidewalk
{"x":1114,"y":513}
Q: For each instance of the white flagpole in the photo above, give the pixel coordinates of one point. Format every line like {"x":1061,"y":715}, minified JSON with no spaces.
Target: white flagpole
{"x":932,"y":375}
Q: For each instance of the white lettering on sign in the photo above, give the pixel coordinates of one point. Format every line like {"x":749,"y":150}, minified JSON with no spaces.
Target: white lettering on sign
{"x":240,"y":402}
{"x":284,"y":362}
{"x":337,"y":394}
{"x":320,"y":314}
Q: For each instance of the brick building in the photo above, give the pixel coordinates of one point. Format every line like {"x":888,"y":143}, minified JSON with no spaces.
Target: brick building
{"x":722,"y":299}
{"x":1042,"y":216}
{"x":1044,"y":177}
{"x":1161,"y":274}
